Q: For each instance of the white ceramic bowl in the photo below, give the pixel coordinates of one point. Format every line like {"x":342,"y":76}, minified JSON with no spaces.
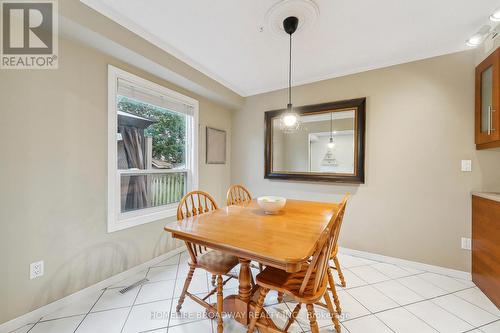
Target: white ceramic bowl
{"x":270,"y":204}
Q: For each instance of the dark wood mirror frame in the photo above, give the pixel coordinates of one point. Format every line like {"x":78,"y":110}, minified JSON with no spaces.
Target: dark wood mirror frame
{"x":359,"y":105}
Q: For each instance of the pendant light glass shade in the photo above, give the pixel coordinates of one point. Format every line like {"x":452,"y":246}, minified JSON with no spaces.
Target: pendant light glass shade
{"x":331,"y":144}
{"x":290,"y":119}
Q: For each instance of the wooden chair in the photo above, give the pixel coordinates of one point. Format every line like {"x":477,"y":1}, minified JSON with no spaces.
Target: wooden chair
{"x":309,"y":285}
{"x":237,"y":195}
{"x":333,"y":257}
{"x":214,"y":262}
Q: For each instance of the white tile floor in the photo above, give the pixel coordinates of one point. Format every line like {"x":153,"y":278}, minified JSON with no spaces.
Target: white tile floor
{"x":379,"y":297}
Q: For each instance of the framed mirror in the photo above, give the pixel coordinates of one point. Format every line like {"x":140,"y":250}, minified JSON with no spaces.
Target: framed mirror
{"x":322,"y":142}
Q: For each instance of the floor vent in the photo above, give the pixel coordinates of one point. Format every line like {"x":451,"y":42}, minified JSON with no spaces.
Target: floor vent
{"x":134,"y":285}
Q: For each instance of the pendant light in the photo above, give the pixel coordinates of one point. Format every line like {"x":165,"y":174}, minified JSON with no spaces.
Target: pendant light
{"x":290,"y":119}
{"x":329,"y":159}
{"x":331,"y":144}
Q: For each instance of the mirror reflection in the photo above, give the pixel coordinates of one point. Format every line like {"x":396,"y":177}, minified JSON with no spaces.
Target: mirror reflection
{"x":321,"y":143}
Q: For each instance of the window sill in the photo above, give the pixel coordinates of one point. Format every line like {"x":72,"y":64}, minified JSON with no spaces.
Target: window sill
{"x":126,"y":221}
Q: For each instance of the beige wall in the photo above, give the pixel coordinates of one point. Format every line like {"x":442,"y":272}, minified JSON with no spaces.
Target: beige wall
{"x":53,"y":176}
{"x":415,"y":203}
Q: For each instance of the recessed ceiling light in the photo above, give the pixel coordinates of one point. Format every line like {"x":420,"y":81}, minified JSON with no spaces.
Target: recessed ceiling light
{"x":478,"y":37}
{"x":495,"y":17}
{"x":475,"y":40}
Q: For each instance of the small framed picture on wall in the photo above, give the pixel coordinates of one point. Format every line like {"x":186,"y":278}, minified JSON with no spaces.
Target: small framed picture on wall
{"x":216,"y":146}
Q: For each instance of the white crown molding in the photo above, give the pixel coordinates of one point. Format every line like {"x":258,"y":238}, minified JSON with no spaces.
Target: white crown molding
{"x":74,"y":31}
{"x":128,"y":24}
{"x":357,"y":70}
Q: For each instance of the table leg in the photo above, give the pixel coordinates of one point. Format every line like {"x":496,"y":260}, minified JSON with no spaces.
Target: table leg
{"x":245,"y":287}
{"x":241,"y":305}
{"x":238,"y":305}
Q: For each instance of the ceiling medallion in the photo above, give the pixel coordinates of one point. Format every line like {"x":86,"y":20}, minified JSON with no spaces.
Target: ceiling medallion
{"x":306,"y":11}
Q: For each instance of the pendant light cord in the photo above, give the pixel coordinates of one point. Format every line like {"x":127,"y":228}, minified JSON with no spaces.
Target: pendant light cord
{"x":331,"y":125}
{"x":290,"y":73}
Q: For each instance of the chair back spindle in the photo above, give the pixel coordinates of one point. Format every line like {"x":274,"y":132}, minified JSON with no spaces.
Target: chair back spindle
{"x":195,"y":203}
{"x":237,"y":195}
{"x":192,"y":204}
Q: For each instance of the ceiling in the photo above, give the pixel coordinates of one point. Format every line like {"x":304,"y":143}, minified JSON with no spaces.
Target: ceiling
{"x":223,"y":38}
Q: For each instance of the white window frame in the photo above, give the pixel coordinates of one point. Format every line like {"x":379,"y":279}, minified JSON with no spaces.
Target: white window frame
{"x":116,"y":219}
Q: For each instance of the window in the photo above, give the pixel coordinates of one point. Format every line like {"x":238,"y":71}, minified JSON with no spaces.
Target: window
{"x":152,"y":150}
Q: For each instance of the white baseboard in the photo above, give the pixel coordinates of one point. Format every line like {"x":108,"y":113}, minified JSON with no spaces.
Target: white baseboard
{"x":412,"y":264}
{"x":34,"y":315}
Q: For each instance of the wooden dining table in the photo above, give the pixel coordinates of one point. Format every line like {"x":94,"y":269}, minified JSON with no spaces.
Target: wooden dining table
{"x":285,"y":240}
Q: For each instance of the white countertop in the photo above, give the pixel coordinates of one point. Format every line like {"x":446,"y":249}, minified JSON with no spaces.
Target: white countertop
{"x":487,"y":195}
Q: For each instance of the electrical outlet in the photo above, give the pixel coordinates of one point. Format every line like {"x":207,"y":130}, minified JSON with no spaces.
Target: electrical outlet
{"x":466,"y":165}
{"x":36,"y":269}
{"x":466,"y":243}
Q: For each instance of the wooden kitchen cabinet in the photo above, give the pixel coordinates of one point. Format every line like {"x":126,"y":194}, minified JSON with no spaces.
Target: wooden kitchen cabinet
{"x":488,"y":102}
{"x":486,"y":244}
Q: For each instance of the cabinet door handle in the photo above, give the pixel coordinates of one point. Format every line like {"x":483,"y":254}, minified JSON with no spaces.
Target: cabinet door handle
{"x":492,"y":129}
{"x":489,"y":120}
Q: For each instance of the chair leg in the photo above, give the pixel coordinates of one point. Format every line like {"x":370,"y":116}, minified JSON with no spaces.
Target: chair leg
{"x":329,"y":305}
{"x":312,"y":318}
{"x":213,"y":280}
{"x":331,"y":282}
{"x":339,"y":271}
{"x":293,"y":316}
{"x":258,"y":309}
{"x":220,"y":302}
{"x":187,"y":282}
